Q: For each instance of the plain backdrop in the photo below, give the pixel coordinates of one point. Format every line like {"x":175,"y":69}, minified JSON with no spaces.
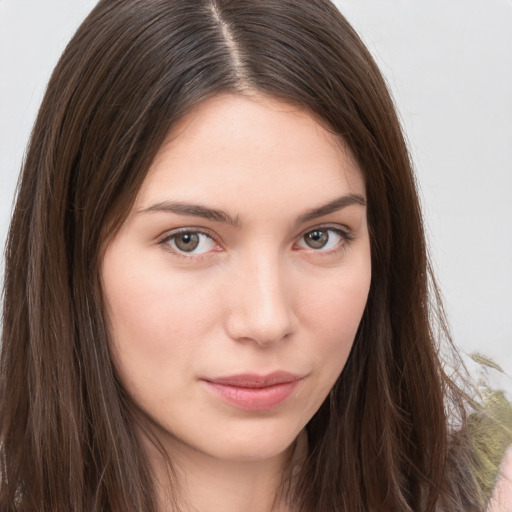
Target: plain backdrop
{"x":449,"y":66}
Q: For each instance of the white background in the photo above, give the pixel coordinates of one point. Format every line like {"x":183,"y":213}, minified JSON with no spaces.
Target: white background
{"x":449,"y":66}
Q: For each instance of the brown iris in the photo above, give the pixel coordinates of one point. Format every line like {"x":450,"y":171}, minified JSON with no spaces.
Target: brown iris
{"x":316,"y":239}
{"x":186,"y":242}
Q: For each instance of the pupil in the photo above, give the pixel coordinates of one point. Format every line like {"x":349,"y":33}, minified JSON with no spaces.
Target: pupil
{"x":317,"y":239}
{"x":187,"y":242}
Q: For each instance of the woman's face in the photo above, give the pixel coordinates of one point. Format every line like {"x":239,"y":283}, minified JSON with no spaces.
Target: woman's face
{"x":235,"y":287}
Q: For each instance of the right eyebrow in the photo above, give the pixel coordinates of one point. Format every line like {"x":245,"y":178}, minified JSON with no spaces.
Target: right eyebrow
{"x":193,"y":210}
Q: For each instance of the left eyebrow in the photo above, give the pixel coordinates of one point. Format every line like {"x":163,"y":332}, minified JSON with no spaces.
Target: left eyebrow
{"x":331,"y":207}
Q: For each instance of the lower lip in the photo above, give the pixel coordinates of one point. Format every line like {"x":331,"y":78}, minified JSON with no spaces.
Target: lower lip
{"x":254,"y":399}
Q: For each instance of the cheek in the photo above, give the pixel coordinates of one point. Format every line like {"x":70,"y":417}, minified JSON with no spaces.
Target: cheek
{"x":156,"y":323}
{"x":338,"y":300}
{"x":333,"y":312}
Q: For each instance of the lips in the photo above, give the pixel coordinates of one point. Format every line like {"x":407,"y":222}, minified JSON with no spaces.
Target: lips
{"x":251,"y":392}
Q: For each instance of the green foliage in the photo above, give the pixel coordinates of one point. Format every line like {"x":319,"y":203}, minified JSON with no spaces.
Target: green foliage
{"x":490,"y":429}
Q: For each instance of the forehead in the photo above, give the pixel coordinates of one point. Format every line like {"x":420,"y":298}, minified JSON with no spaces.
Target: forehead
{"x":233,"y":148}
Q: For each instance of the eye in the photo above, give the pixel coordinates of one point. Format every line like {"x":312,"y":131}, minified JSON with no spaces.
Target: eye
{"x":189,"y":242}
{"x":323,"y":239}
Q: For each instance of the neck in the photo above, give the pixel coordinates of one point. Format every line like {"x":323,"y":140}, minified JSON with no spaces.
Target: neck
{"x":208,"y":484}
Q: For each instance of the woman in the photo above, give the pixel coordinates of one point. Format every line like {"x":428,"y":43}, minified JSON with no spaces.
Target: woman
{"x":217,"y":288}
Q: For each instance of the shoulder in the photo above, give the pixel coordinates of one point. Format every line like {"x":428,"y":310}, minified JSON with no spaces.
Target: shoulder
{"x":501,"y":500}
{"x":490,"y":435}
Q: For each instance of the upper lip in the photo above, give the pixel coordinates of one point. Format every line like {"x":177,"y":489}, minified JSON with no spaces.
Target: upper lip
{"x":251,"y":380}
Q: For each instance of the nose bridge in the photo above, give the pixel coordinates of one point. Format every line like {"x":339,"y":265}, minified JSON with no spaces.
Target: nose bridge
{"x":261,"y":303}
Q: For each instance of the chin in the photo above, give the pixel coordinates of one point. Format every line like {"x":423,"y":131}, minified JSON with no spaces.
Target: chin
{"x":248,"y":439}
{"x":258,"y":449}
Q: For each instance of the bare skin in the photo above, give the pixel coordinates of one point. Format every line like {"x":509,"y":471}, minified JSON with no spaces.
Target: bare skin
{"x":501,"y":500}
{"x":246,"y":253}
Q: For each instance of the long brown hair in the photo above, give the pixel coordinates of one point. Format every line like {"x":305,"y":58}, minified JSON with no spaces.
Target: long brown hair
{"x":382,"y":440}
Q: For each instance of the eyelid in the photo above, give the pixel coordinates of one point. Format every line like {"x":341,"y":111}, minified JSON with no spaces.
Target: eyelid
{"x":345,"y":231}
{"x":168,"y":235}
{"x":346,"y":234}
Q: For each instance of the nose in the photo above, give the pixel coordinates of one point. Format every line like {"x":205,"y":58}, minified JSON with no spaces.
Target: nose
{"x":261,"y":302}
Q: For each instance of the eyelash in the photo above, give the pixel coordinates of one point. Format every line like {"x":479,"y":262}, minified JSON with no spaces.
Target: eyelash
{"x":345,"y":235}
{"x":166,"y":238}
